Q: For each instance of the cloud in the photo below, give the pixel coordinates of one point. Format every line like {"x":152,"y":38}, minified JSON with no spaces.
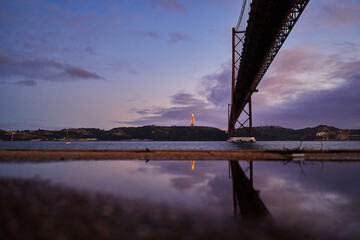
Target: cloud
{"x":337,"y":107}
{"x":90,"y":50}
{"x":4,"y":59}
{"x":297,"y":71}
{"x":217,"y":86}
{"x":76,"y":72}
{"x":140,"y":111}
{"x":29,"y":83}
{"x":340,"y":13}
{"x":43,"y":69}
{"x":148,"y":34}
{"x":300,"y":91}
{"x":321,"y":193}
{"x":175,"y":37}
{"x":186,"y":104}
{"x":183,"y":183}
{"x":185,"y":99}
{"x":169,"y":5}
{"x":124,"y":66}
{"x":211,"y":110}
{"x":305,"y":86}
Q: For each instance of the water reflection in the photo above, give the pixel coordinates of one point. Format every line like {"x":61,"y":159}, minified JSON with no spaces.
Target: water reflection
{"x":223,"y":145}
{"x":192,"y":164}
{"x":244,"y":194}
{"x":317,"y":201}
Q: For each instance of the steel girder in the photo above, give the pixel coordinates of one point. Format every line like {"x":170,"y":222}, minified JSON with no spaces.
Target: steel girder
{"x":269,"y":24}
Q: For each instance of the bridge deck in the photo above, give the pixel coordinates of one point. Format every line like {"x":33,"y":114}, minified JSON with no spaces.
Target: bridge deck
{"x":269,"y":23}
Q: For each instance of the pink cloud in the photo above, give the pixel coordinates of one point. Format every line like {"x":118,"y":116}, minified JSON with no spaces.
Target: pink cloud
{"x":43,"y":69}
{"x":300,"y":70}
{"x":340,"y":13}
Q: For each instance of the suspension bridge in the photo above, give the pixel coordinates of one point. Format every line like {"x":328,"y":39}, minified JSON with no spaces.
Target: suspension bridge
{"x":261,"y":30}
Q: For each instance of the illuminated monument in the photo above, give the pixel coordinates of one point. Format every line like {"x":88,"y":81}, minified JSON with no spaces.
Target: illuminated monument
{"x":192,"y":120}
{"x":192,"y":124}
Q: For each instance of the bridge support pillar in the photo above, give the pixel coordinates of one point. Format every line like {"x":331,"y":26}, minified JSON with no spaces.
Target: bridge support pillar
{"x":248,"y":120}
{"x":237,"y":42}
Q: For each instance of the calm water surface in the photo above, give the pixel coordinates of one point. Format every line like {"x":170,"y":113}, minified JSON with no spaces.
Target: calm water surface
{"x":316,"y":200}
{"x":180,"y":145}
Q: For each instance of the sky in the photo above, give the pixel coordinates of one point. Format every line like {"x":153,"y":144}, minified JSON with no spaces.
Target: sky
{"x":106,"y":64}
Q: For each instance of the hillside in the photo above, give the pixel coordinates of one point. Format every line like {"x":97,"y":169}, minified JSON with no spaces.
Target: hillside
{"x":319,"y":133}
{"x":182,"y":133}
{"x":154,"y":133}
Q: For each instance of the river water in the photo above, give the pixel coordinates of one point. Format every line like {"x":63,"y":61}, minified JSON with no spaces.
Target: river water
{"x":319,"y":200}
{"x":181,"y":145}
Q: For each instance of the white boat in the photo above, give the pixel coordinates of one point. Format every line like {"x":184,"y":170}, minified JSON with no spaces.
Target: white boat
{"x":242,"y":140}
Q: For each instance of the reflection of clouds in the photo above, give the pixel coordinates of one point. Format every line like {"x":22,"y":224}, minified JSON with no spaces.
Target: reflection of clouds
{"x":146,"y":169}
{"x":335,"y":177}
{"x":278,"y":190}
{"x":182,"y":183}
{"x":321,"y":203}
{"x":209,"y":182}
{"x":220,"y":189}
{"x":294,"y":205}
{"x":204,"y":169}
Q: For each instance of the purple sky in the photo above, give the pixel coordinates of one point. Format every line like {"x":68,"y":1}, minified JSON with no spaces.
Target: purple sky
{"x":110,"y":63}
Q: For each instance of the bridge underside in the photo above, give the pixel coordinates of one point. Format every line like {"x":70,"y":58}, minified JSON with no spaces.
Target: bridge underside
{"x":269,"y":23}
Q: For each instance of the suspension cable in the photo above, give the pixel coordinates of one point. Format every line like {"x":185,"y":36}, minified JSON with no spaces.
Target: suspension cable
{"x":241,"y":15}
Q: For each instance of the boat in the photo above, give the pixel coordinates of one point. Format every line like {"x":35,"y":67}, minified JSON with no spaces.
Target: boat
{"x":242,"y":140}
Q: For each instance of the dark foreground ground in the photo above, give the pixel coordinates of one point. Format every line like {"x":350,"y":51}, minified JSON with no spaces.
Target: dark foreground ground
{"x":36,"y":209}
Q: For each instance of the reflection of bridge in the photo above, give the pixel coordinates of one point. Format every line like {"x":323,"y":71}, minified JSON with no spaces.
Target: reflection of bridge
{"x":262,"y":28}
{"x":244,"y":194}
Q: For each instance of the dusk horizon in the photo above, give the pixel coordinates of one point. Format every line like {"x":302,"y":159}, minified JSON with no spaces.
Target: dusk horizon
{"x":154,"y":125}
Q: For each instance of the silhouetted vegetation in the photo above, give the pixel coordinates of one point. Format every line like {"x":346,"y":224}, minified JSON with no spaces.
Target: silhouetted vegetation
{"x":153,"y":133}
{"x":181,"y":133}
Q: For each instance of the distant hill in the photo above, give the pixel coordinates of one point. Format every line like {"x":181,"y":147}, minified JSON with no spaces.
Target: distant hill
{"x":174,"y":133}
{"x":181,"y":133}
{"x":153,"y":133}
{"x":321,"y":132}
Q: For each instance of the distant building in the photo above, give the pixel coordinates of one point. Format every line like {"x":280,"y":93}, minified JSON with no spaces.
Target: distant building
{"x":321,"y":134}
{"x":354,"y":137}
{"x":192,"y":120}
{"x":343,"y":135}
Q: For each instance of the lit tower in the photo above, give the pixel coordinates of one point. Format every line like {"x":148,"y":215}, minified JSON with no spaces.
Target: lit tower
{"x":192,"y":124}
{"x":192,"y":120}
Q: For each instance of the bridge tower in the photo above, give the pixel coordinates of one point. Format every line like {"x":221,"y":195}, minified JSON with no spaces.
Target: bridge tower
{"x":238,"y":38}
